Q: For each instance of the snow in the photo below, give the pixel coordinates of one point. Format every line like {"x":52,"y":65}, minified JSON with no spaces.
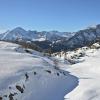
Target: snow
{"x":26,"y":76}
{"x":40,"y":39}
{"x":86,"y":67}
{"x":88,"y":73}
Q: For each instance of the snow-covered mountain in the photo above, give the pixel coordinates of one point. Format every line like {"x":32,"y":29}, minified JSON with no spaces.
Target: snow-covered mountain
{"x":54,"y":40}
{"x":84,"y":37}
{"x":21,"y":34}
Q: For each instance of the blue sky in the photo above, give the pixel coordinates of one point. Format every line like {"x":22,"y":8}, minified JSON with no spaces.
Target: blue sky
{"x":61,"y":15}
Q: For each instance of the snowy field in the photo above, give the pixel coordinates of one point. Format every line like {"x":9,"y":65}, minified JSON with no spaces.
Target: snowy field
{"x":26,"y":76}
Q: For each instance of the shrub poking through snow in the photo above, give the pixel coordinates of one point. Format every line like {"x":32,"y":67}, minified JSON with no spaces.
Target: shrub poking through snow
{"x":64,"y":73}
{"x":58,"y":74}
{"x":28,"y":51}
{"x":27,"y":77}
{"x":9,"y":87}
{"x":19,"y":88}
{"x":1,"y":98}
{"x":23,"y":86}
{"x":5,"y":96}
{"x":48,"y":71}
{"x":35,"y":73}
{"x":11,"y":96}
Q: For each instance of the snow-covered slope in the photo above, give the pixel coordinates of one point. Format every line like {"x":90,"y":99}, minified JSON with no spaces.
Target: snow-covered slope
{"x":26,"y":76}
{"x":88,"y":72}
{"x":85,"y":64}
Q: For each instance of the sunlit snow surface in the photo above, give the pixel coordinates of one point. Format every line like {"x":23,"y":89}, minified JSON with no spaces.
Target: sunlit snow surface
{"x":88,"y":72}
{"x":26,"y":76}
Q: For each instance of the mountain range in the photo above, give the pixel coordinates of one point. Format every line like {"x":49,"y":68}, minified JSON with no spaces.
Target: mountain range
{"x":21,"y":34}
{"x":84,"y":37}
{"x":54,"y":40}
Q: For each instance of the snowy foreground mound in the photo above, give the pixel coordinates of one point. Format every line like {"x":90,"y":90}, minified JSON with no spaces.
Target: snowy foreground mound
{"x":25,"y":76}
{"x":88,"y":73}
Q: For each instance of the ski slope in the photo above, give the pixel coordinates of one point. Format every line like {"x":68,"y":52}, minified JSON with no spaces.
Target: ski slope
{"x":26,"y":76}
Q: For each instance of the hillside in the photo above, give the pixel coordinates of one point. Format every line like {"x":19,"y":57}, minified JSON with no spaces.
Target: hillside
{"x":89,"y":81}
{"x":25,"y":76}
{"x":83,"y":38}
{"x":83,"y":63}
